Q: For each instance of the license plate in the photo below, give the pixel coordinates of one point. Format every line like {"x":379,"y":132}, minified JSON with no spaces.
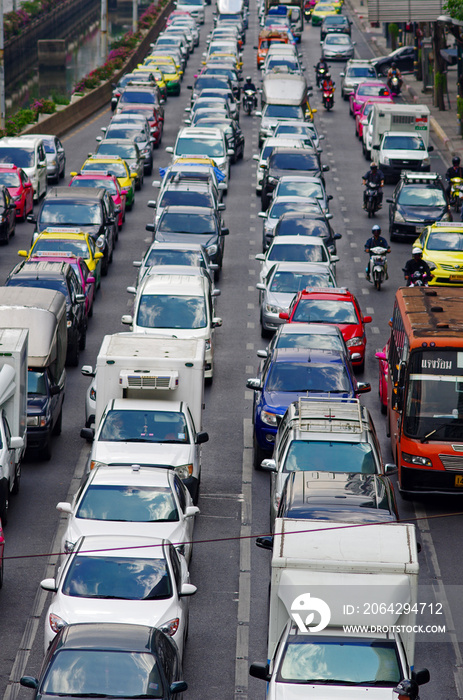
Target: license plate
{"x":419,"y":229}
{"x":459,"y":480}
{"x":456,"y":278}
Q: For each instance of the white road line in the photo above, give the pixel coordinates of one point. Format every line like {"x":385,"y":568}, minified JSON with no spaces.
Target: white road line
{"x":244,"y":587}
{"x":251,"y":324}
{"x":365,"y":291}
{"x":250,"y":346}
{"x":375,"y":330}
{"x":357,"y":260}
{"x":22,"y":657}
{"x":370,"y":310}
{"x":251,"y":305}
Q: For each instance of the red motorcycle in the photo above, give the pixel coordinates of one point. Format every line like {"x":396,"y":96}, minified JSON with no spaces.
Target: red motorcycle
{"x":328,"y":97}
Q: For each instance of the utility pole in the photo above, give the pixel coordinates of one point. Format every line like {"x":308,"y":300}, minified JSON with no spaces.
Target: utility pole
{"x":103,"y":29}
{"x":134,"y":16}
{"x":2,"y":69}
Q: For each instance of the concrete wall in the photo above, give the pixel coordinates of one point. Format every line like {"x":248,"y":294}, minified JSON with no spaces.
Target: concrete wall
{"x":83,"y":107}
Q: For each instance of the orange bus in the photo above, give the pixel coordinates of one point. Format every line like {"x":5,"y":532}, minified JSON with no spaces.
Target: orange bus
{"x":425,"y":389}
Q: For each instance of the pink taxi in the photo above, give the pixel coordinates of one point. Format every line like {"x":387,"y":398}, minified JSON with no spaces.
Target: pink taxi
{"x":367,"y":91}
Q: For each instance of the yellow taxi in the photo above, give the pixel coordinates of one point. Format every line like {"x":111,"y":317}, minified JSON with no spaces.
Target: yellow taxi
{"x":69,"y":242}
{"x":158,"y":75}
{"x":322,"y":10}
{"x":114,"y":166}
{"x":172,"y":73}
{"x":442,"y":246}
{"x":194,"y":160}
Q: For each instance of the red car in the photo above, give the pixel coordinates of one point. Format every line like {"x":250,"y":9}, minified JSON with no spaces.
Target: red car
{"x":96,"y":178}
{"x":381,"y":355}
{"x":20,"y":188}
{"x":336,"y":306}
{"x":83,"y":273}
{"x":366,"y":91}
{"x":2,"y":545}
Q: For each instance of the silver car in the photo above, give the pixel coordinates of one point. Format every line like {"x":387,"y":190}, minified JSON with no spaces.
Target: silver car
{"x":356,"y":72}
{"x":278,"y":207}
{"x":337,"y":47}
{"x":283,"y":281}
{"x":56,"y":157}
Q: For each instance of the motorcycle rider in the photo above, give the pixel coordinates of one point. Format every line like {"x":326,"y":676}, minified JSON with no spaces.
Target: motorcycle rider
{"x":321,"y":65}
{"x":377,"y":176}
{"x":455,"y":171}
{"x":407,"y":690}
{"x":394,"y":72}
{"x":416,"y":264}
{"x":249,"y":85}
{"x":328,"y":85}
{"x":376,"y":240}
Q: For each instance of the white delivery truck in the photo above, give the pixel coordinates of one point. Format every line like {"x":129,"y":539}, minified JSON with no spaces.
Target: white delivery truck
{"x":13,"y":411}
{"x":397,"y":137}
{"x":147,"y":400}
{"x":342,"y":610}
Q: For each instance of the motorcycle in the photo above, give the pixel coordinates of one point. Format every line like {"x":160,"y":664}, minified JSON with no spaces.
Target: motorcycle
{"x":418,"y":279}
{"x":377,"y":266}
{"x":308,"y":8}
{"x":456,"y":192}
{"x":394,"y":84}
{"x":249,"y":101}
{"x":328,"y":98}
{"x":372,"y":198}
{"x":320,"y":75}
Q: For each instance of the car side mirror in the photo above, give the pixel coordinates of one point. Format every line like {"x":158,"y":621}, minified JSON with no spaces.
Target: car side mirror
{"x":49,"y":584}
{"x":55,"y":390}
{"x":390,"y":469}
{"x":260,"y":256}
{"x":262,"y":353}
{"x":254,"y":383}
{"x":201,"y":437}
{"x":259,"y":670}
{"x":178,"y":687}
{"x":149,"y":227}
{"x":64,"y":507}
{"x":381,"y":355}
{"x":376,"y":147}
{"x":325,"y":168}
{"x":265,"y":542}
{"x":191,"y":511}
{"x":224,"y":232}
{"x":187,"y":589}
{"x":127,"y":320}
{"x":367,"y":319}
{"x":284,"y":315}
{"x":216,"y":322}
{"x":363,"y":387}
{"x":29,"y":682}
{"x":390,"y":201}
{"x":132,"y":290}
{"x":88,"y":434}
{"x":87,"y":371}
{"x":268,"y":465}
{"x":261,"y":286}
{"x":329,"y":198}
{"x":422,"y":676}
{"x":430,"y":149}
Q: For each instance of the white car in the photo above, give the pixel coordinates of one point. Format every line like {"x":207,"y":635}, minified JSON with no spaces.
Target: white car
{"x":28,"y":153}
{"x":295,"y":249}
{"x":156,"y":434}
{"x":199,"y":141}
{"x":131,"y":500}
{"x":113,"y":578}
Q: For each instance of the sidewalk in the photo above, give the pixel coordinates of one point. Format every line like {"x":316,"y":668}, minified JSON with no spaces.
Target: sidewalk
{"x":444,"y":125}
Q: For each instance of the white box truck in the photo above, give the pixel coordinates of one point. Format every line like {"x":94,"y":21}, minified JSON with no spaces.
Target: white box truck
{"x":342,"y":610}
{"x":154,"y":388}
{"x":13,"y":411}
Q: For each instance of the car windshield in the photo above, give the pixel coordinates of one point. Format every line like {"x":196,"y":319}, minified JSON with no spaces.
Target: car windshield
{"x":300,"y":189}
{"x":170,"y":311}
{"x":325,"y":311}
{"x":199,"y":147}
{"x":49,"y":145}
{"x":333,"y":21}
{"x":116,"y":169}
{"x":422,"y":197}
{"x":279,"y":208}
{"x":403,"y":143}
{"x":326,"y":456}
{"x":310,"y":341}
{"x":107,"y":184}
{"x":135,"y":504}
{"x":121,"y":150}
{"x":21,"y":157}
{"x":304,"y":376}
{"x":337,"y":39}
{"x":174,"y":257}
{"x":71,"y":213}
{"x":206,"y":81}
{"x":144,"y":426}
{"x":293,"y":129}
{"x":58,"y":285}
{"x":445,"y":240}
{"x":51,"y":246}
{"x":302,"y":227}
{"x":294,"y":161}
{"x":186,"y":198}
{"x":283,"y":112}
{"x":123,"y":132}
{"x":296,"y":252}
{"x":9,"y":179}
{"x":292,"y":66}
{"x":36,"y":383}
{"x":103,"y":673}
{"x":340,"y":661}
{"x":372,"y":90}
{"x":292,"y":282}
{"x":360,"y":72}
{"x":187,"y":223}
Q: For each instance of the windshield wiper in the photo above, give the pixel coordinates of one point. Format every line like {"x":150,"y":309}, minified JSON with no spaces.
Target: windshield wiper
{"x":84,"y":695}
{"x":436,"y":430}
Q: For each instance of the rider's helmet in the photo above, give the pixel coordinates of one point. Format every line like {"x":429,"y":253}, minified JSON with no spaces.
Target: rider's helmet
{"x":248,"y":79}
{"x":393,"y":65}
{"x":407,"y":689}
{"x":376,"y":230}
{"x":456,"y":161}
{"x":417,"y":251}
{"x":327,"y":75}
{"x":373,"y":166}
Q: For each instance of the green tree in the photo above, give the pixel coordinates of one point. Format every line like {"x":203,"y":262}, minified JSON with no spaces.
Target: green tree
{"x":454,"y":8}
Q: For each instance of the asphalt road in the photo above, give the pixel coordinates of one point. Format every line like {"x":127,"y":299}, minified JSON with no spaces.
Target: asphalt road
{"x":228,"y":618}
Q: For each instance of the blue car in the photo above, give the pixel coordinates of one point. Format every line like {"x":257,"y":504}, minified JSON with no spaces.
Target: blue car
{"x":285,"y":375}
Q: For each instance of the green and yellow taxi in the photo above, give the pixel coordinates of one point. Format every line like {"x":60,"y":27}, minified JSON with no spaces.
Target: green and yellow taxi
{"x":442,"y":246}
{"x":114,"y":166}
{"x":158,"y":75}
{"x":172,"y":74}
{"x":322,"y":10}
{"x":68,"y":242}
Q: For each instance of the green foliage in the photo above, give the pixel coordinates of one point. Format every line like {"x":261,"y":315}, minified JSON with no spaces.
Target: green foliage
{"x":454,"y":8}
{"x":460,"y":108}
{"x":440,"y":80}
{"x":393,"y":30}
{"x":59,"y":99}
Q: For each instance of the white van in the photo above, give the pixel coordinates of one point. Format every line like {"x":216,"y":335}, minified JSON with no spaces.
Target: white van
{"x":172,"y":302}
{"x":28,"y":153}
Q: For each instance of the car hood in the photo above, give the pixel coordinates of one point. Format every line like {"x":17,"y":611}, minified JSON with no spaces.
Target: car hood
{"x":204,"y":238}
{"x":281,"y":299}
{"x":349,"y":330}
{"x":160,"y":453}
{"x":173,"y":531}
{"x":411,"y":213}
{"x":447,"y":257}
{"x":278,"y":401}
{"x":303,"y":691}
{"x":36,"y":404}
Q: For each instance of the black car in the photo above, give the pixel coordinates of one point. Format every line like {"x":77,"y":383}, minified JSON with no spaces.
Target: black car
{"x":419,"y":199}
{"x":233,"y":133}
{"x":289,"y":161}
{"x":335,"y":24}
{"x":208,"y":81}
{"x":203,"y":225}
{"x":60,"y":277}
{"x":91,"y":210}
{"x":109,"y":660}
{"x":404,"y":58}
{"x":7,"y":214}
{"x":299,"y":223}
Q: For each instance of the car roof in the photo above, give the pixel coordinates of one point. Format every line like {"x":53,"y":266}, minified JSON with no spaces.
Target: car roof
{"x":130,"y":474}
{"x":41,"y":269}
{"x":107,"y":635}
{"x":296,"y":199}
{"x":314,"y":357}
{"x":300,"y":178}
{"x":166,"y":245}
{"x":306,"y":240}
{"x":335,"y":293}
{"x":178,"y":209}
{"x":132,"y":546}
{"x":299,"y":268}
{"x":179,"y":283}
{"x":74,"y":195}
{"x":309,"y":329}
